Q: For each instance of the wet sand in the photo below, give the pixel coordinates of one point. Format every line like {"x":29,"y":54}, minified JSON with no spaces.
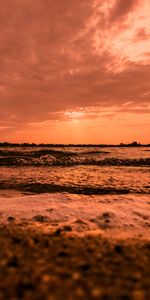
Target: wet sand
{"x":61,"y":265}
{"x":117,"y":216}
{"x":61,"y":246}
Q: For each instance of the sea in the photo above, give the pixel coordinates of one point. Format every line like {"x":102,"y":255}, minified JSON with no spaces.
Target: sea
{"x":76,"y":170}
{"x":91,"y":186}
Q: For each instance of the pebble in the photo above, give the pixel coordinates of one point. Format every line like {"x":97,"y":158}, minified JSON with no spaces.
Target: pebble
{"x":11,"y":219}
{"x":40,"y":218}
{"x":118,"y":248}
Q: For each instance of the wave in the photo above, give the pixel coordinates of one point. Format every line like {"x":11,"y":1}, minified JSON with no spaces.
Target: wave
{"x":48,"y":152}
{"x":40,"y":188}
{"x":36,"y":153}
{"x":69,"y":160}
{"x":69,"y":157}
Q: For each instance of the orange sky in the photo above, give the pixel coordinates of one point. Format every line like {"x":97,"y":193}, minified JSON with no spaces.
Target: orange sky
{"x":75,"y":71}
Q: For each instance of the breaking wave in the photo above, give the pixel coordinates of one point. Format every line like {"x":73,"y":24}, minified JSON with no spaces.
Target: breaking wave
{"x":53,"y":157}
{"x":74,"y":170}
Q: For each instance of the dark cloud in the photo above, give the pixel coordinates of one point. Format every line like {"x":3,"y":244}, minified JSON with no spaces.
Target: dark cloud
{"x":141,"y":34}
{"x":122,"y":8}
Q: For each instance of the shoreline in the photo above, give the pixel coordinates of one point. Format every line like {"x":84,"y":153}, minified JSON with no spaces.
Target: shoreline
{"x":118,"y":216}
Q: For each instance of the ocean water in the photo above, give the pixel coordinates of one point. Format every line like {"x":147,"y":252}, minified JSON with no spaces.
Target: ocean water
{"x":89,"y":189}
{"x":76,"y":170}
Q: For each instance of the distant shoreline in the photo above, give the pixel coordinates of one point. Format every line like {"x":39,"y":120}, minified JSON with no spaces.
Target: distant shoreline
{"x":133,"y":144}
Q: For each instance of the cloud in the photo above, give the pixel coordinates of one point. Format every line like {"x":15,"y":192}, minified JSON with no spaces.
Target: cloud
{"x":71,"y":55}
{"x":121,"y":9}
{"x":141,"y":34}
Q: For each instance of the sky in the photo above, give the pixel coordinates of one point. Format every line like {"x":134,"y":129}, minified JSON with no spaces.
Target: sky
{"x":75,"y":71}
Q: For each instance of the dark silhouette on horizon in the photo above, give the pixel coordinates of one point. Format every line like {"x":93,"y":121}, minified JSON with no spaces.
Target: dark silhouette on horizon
{"x":132,"y":144}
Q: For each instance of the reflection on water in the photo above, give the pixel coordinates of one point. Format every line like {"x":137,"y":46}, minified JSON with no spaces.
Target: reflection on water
{"x":113,"y":177}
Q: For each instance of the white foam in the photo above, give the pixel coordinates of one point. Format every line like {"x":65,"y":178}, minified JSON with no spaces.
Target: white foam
{"x":110,"y":214}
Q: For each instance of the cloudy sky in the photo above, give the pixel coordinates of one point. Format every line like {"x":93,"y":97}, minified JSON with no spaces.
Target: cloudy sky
{"x":75,"y":71}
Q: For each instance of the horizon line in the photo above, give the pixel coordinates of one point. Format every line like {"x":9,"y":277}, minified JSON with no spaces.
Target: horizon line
{"x":27,"y":144}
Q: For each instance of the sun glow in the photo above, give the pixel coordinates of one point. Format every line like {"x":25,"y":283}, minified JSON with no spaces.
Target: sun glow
{"x":74,"y":115}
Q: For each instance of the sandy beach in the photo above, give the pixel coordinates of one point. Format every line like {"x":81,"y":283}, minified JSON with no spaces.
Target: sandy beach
{"x":60,"y":246}
{"x":74,"y":150}
{"x":66,"y":266}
